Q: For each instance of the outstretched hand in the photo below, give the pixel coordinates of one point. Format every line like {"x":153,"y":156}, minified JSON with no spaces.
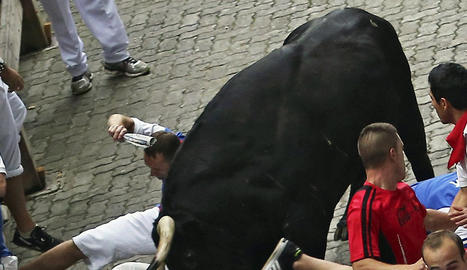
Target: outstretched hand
{"x":419,"y":265}
{"x":458,"y":215}
{"x":12,"y":78}
{"x":117,"y":132}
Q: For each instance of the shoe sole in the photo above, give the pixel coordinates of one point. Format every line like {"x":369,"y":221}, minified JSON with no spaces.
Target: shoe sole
{"x":275,"y":254}
{"x":26,"y":244}
{"x":84,"y":91}
{"x":131,"y":75}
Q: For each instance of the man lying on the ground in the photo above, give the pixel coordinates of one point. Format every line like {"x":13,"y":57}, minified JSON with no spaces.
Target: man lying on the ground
{"x":128,"y":235}
{"x":443,"y":250}
{"x":387,"y":223}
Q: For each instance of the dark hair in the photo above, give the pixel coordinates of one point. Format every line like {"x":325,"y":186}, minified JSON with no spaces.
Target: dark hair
{"x":166,"y":143}
{"x":449,"y":81}
{"x":434,"y":240}
{"x":374,"y":143}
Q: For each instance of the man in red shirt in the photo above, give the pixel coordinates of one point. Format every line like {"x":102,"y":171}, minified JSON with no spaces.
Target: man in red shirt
{"x":387,"y":224}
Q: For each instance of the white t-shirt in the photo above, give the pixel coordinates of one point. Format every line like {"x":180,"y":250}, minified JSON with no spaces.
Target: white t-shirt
{"x":146,"y":128}
{"x":461,"y":167}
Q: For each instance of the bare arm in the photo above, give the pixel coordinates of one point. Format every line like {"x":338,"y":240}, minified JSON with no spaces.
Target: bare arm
{"x":12,"y":78}
{"x":372,"y":264}
{"x":2,"y":185}
{"x":437,"y":220}
{"x":119,"y":125}
{"x":461,"y":198}
{"x":306,"y":262}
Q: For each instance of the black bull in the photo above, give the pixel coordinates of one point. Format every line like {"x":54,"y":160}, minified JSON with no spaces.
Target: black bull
{"x":275,"y":149}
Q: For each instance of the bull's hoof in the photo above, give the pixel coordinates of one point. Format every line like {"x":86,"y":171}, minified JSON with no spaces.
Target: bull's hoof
{"x":341,"y":232}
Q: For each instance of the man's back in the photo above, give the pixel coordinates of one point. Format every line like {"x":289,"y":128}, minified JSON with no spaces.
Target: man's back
{"x":386,"y":224}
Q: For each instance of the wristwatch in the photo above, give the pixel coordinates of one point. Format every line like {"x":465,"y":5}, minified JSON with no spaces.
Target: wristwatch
{"x":2,"y":65}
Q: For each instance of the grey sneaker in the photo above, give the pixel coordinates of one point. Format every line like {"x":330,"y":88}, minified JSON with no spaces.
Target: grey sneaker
{"x":82,"y":83}
{"x":9,"y":263}
{"x":129,"y":67}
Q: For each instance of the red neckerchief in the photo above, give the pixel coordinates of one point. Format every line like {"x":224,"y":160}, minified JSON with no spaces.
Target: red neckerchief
{"x":457,"y":141}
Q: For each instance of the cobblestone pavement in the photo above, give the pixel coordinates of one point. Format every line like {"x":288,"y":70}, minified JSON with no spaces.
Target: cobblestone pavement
{"x":193,"y":48}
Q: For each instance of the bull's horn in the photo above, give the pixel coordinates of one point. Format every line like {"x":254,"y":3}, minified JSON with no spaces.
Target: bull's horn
{"x":165,"y":229}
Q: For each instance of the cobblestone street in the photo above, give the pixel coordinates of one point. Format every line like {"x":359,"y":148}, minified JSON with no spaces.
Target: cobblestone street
{"x":193,"y":48}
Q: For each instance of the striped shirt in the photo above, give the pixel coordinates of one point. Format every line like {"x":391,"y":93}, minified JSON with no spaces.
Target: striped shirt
{"x":386,"y":225}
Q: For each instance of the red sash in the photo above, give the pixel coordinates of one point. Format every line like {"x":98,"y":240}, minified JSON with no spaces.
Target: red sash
{"x":457,"y":142}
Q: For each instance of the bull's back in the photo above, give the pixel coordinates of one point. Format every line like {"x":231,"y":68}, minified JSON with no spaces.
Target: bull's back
{"x":275,"y":149}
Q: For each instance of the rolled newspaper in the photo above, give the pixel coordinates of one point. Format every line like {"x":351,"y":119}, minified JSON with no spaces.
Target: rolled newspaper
{"x":139,"y":139}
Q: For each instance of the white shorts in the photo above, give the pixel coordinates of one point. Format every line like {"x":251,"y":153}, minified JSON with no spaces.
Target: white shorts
{"x":12,"y":115}
{"x":119,"y":239}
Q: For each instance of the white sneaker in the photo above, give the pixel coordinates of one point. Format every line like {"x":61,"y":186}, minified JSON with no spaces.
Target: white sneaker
{"x":9,"y":263}
{"x":81,"y":84}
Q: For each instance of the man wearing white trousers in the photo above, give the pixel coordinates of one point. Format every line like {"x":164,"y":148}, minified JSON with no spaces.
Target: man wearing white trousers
{"x":125,"y":236}
{"x":102,"y":19}
{"x":12,"y":115}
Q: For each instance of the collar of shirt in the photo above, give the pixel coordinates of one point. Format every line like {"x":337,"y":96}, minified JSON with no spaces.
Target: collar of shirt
{"x":457,"y":141}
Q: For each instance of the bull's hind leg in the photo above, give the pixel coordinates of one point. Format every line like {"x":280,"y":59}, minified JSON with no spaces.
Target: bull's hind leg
{"x":307,"y":224}
{"x":357,"y":181}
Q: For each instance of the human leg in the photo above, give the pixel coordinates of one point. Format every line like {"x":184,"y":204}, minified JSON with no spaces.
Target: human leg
{"x":58,"y":258}
{"x":118,"y":239}
{"x":16,"y":202}
{"x":7,"y":260}
{"x":12,"y":120}
{"x":70,"y":44}
{"x":102,"y":19}
{"x":27,"y":234}
{"x":311,"y":263}
{"x":288,"y":256}
{"x":13,"y":113}
{"x":105,"y":24}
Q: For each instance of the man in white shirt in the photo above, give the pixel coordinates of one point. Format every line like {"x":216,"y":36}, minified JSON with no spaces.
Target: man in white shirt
{"x":128,"y":235}
{"x":12,"y":114}
{"x":448,"y":92}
